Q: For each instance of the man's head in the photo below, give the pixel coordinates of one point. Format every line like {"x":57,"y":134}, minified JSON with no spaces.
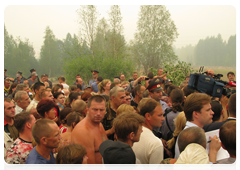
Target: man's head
{"x":124,"y":84}
{"x":197,"y":109}
{"x":66,"y":92}
{"x":160,"y":71}
{"x":72,"y":154}
{"x":79,"y":81}
{"x":61,"y":79}
{"x":23,"y":87}
{"x":187,"y":91}
{"x":19,"y":75}
{"x":128,"y":126}
{"x":9,"y":108}
{"x":33,"y":70}
{"x":153,"y":113}
{"x":117,"y":96}
{"x":73,"y":88}
{"x":191,"y":135}
{"x":43,"y":77}
{"x":232,"y":105}
{"x":94,"y":73}
{"x":155,"y":89}
{"x":74,"y":96}
{"x":96,"y":108}
{"x":135,"y":75}
{"x":7,"y":83}
{"x":150,"y":75}
{"x":227,"y":134}
{"x":22,"y":99}
{"x":138,"y":90}
{"x":34,"y":75}
{"x":24,"y":121}
{"x":117,"y":155}
{"x":122,"y":77}
{"x":38,"y":88}
{"x":80,"y":106}
{"x":77,"y":76}
{"x":231,"y":76}
{"x":46,"y":133}
{"x":47,"y":94}
{"x":217,"y":109}
{"x":99,"y":79}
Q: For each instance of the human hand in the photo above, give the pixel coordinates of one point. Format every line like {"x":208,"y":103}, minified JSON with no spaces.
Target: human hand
{"x":214,"y":146}
{"x":214,"y":143}
{"x":164,"y":143}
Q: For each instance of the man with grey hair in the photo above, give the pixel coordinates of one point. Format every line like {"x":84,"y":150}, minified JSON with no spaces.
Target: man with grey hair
{"x":117,"y":97}
{"x":22,"y":87}
{"x":80,"y":106}
{"x":22,"y":101}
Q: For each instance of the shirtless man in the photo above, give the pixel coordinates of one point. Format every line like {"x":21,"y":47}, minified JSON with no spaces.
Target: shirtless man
{"x":90,"y":132}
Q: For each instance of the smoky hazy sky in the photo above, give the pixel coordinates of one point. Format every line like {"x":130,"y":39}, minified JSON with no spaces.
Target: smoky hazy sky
{"x":193,"y":22}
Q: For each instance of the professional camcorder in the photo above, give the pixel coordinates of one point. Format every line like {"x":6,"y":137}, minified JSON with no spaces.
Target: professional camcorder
{"x":213,"y":86}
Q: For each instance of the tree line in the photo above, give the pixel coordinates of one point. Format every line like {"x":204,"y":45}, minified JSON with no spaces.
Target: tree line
{"x":211,"y":51}
{"x":101,"y":45}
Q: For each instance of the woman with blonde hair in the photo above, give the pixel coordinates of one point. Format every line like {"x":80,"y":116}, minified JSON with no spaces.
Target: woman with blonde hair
{"x":180,"y":123}
{"x":104,"y":87}
{"x":124,"y":107}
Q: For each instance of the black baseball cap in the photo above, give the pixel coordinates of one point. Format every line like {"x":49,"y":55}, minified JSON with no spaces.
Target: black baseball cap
{"x":117,"y":152}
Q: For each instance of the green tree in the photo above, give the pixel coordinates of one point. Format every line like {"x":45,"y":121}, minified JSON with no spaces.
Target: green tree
{"x":19,"y":55}
{"x":230,"y":59}
{"x":88,"y":18}
{"x":176,"y":72}
{"x":116,"y":29}
{"x":156,"y":32}
{"x":50,"y":61}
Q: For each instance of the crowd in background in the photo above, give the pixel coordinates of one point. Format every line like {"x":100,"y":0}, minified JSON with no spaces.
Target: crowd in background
{"x":143,"y":120}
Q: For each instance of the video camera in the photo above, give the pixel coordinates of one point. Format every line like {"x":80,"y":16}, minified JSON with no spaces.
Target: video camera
{"x":213,"y":86}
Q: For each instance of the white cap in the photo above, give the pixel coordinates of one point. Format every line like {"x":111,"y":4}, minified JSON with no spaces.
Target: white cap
{"x":194,"y":157}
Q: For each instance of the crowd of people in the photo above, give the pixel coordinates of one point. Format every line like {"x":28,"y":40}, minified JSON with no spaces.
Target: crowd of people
{"x":143,"y":120}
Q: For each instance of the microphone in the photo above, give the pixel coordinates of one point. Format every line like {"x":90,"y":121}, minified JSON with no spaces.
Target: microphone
{"x":231,"y":83}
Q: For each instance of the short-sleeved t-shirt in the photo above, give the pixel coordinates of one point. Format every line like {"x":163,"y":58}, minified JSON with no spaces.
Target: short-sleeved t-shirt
{"x":17,"y":153}
{"x":35,"y":158}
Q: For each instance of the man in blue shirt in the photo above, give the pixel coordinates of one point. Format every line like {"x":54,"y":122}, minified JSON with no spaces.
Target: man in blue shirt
{"x":95,"y":76}
{"x":155,"y":91}
{"x":47,"y":136}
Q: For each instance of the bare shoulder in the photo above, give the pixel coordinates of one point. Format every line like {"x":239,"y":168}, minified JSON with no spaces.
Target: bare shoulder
{"x":80,"y":132}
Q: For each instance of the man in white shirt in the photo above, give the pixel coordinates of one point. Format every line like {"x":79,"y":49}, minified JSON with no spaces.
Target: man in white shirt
{"x":61,"y":80}
{"x":22,"y":100}
{"x":38,"y":89}
{"x":149,"y":149}
{"x":198,"y":112}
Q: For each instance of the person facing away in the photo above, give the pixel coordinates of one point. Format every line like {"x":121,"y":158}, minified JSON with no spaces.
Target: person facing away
{"x":227,"y":135}
{"x":128,"y":128}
